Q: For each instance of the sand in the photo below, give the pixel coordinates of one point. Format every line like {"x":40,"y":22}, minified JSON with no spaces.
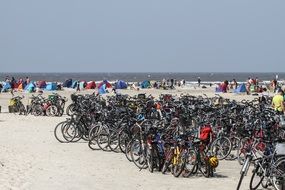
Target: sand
{"x":32,"y":159}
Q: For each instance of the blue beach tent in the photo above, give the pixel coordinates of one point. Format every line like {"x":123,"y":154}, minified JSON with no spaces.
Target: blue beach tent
{"x":74,"y":84}
{"x":102,"y":89}
{"x":30,"y":87}
{"x":121,"y":85}
{"x":51,"y":86}
{"x":67,"y":83}
{"x":240,"y":89}
{"x":145,"y":84}
{"x":6,"y":87}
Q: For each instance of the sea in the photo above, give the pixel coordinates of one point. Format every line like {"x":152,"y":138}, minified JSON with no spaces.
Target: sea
{"x":138,"y":77}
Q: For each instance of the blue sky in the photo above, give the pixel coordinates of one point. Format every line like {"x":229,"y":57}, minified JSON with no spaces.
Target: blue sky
{"x":142,"y":36}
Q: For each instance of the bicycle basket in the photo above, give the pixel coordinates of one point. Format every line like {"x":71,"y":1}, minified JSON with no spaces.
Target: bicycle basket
{"x":280,"y":148}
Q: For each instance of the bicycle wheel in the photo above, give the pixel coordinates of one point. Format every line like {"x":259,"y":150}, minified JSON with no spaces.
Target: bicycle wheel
{"x":22,"y":109}
{"x":128,"y":151}
{"x":92,"y":138}
{"x":51,"y":111}
{"x":123,"y":140}
{"x":113,"y":140}
{"x":233,"y":154}
{"x":242,"y":150}
{"x":278,"y":175}
{"x":69,"y":131}
{"x":221,"y":147}
{"x":179,"y":166}
{"x":256,"y":178}
{"x":58,"y":132}
{"x":138,"y":154}
{"x":204,"y":167}
{"x":191,"y":162}
{"x":102,"y":140}
{"x":37,"y":110}
{"x":149,"y":159}
{"x":168,"y":159}
{"x":70,"y":109}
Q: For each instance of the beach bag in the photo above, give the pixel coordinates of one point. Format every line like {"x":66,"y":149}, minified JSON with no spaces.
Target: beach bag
{"x":12,"y":102}
{"x":205,"y":133}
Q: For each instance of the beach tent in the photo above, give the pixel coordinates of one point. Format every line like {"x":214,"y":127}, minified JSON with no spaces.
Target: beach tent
{"x":240,"y":89}
{"x":15,"y":85}
{"x":108,"y":85}
{"x":145,"y":84}
{"x":51,"y":86}
{"x":42,"y":84}
{"x":74,"y":84}
{"x":30,"y":87}
{"x":82,"y":84}
{"x":20,"y":86}
{"x":91,"y":85}
{"x":218,"y":89}
{"x":6,"y":87}
{"x":121,"y":85}
{"x":68,"y":83}
{"x":102,"y":89}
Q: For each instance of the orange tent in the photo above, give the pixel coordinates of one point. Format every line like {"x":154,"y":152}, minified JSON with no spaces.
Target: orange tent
{"x":20,"y":87}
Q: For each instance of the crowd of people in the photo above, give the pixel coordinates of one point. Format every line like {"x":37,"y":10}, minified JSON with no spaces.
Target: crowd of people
{"x":253,"y":85}
{"x":14,"y":83}
{"x":169,"y":83}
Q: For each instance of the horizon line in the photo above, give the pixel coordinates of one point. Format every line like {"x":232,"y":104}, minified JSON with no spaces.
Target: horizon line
{"x":137,"y":72}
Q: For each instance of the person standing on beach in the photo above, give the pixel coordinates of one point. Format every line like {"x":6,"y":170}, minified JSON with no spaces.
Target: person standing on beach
{"x":274,"y":84}
{"x":278,"y":102}
{"x":199,"y":81}
{"x":78,"y":87}
{"x":27,"y":80}
{"x":235,"y":84}
{"x":171,"y":83}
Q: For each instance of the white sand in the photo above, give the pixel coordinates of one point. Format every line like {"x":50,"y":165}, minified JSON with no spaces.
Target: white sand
{"x":33,"y":159}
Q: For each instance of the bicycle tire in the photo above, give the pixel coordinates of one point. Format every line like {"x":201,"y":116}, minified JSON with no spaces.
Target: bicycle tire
{"x":113,"y":141}
{"x":218,"y":145}
{"x":241,"y":150}
{"x":279,"y":175}
{"x":191,"y":163}
{"x":70,"y":109}
{"x":255,"y":174}
{"x":123,"y":141}
{"x":58,"y":129}
{"x":128,"y":151}
{"x":136,"y":149}
{"x":102,"y":140}
{"x":149,"y":159}
{"x":69,"y":132}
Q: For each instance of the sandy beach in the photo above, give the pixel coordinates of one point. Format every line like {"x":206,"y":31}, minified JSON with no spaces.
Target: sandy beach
{"x":32,"y":159}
